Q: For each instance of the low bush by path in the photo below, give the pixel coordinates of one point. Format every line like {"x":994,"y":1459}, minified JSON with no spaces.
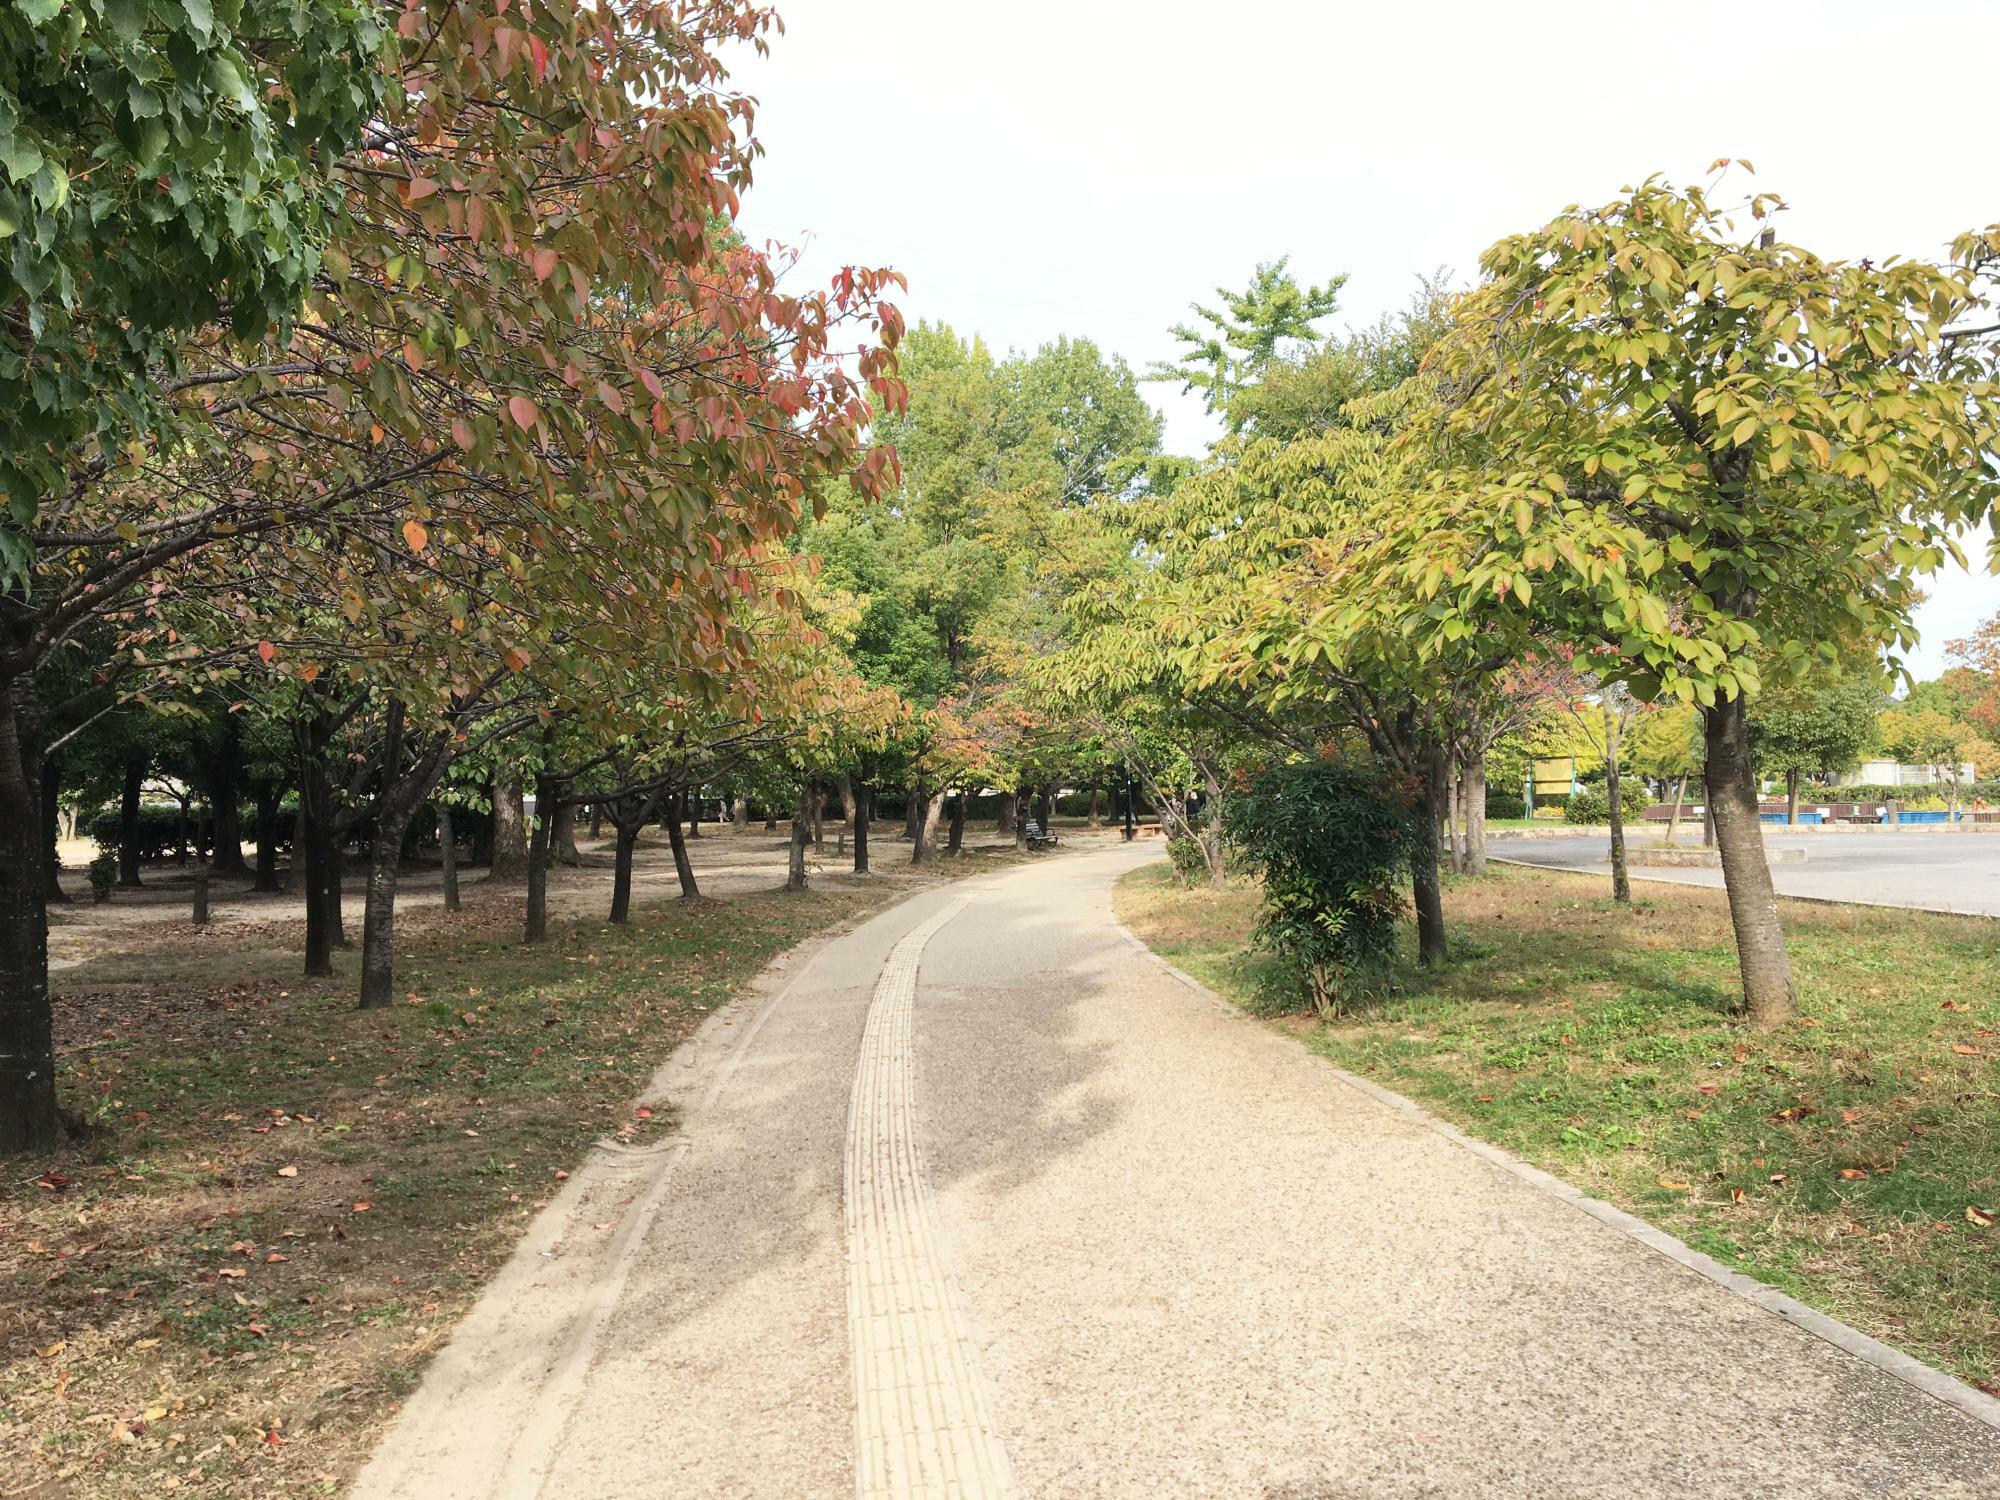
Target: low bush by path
{"x":1851,"y":1158}
{"x":285,"y":1202}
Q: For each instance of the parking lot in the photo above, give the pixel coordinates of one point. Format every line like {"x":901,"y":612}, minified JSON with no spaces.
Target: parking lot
{"x":1941,"y":869}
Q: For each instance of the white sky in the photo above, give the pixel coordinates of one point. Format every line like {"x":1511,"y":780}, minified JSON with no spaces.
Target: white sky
{"x":1084,"y":167}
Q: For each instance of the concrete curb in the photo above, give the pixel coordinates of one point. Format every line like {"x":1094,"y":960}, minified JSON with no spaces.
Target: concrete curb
{"x":1702,"y":885}
{"x":1912,"y":1372}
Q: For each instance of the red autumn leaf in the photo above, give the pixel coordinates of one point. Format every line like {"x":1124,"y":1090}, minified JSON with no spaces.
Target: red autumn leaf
{"x":546,"y":261}
{"x":540,"y":53}
{"x":516,"y":660}
{"x":265,"y":651}
{"x":522,"y":410}
{"x":421,"y":188}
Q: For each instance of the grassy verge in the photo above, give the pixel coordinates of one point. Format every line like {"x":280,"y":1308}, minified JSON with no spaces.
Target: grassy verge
{"x":1850,"y":1158}
{"x":286,"y":1202}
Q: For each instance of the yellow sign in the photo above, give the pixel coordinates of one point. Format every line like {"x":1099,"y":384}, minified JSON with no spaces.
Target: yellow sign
{"x":1555,"y":777}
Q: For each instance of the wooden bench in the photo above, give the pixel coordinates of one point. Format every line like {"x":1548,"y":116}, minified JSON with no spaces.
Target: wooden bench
{"x":1031,"y":831}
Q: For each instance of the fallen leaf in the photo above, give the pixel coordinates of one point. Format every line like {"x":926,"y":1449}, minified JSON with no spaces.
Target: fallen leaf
{"x":234,"y":1273}
{"x":1672,"y":1186}
{"x":1853,"y":1174}
{"x":291,"y":1171}
{"x":1779,"y":1177}
{"x":363,"y":1206}
{"x":1982,"y":1217}
{"x":273,"y":1258}
{"x":1736,"y":1195}
{"x":1965,"y":1050}
{"x":53,"y":1349}
{"x":1849,"y":1116}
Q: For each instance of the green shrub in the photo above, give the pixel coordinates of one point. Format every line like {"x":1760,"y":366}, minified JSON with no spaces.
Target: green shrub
{"x":1189,"y":863}
{"x":1329,"y":839}
{"x":158,"y":830}
{"x":1589,"y":806}
{"x":103,"y":872}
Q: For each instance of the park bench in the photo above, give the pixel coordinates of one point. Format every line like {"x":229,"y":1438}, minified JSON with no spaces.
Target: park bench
{"x":1036,"y":838}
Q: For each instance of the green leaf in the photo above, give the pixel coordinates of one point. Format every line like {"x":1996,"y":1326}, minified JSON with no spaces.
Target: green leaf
{"x":38,"y":11}
{"x":22,"y":158}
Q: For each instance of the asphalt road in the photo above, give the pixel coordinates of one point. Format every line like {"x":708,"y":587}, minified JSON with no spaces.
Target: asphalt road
{"x":977,"y":1201}
{"x":1944,"y":870}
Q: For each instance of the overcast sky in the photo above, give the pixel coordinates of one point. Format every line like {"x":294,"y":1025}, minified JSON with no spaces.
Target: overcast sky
{"x":1082,"y":167}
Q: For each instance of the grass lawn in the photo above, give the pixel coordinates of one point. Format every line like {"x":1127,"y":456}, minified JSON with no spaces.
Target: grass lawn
{"x":286,"y":1202}
{"x":1850,"y":1158}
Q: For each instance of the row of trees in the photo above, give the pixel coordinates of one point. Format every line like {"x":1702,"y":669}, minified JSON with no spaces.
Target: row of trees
{"x":1656,"y":456}
{"x":392,"y":392}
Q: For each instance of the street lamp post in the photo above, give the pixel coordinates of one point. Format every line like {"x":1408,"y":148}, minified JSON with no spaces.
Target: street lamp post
{"x":1130,"y":831}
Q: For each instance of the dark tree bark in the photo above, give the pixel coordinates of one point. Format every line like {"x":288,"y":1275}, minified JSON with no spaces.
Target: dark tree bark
{"x":409,"y":774}
{"x":692,"y":806}
{"x":1096,"y":819}
{"x":1791,"y":797}
{"x":269,"y":797}
{"x":956,"y":839}
{"x":201,"y":895}
{"x":536,"y":927}
{"x":510,"y":837}
{"x":683,"y":868}
{"x":51,"y":810}
{"x":739,"y":814}
{"x":1621,"y":875}
{"x":846,"y":785}
{"x":1768,"y":995}
{"x":319,"y":834}
{"x":596,"y":820}
{"x":1010,"y":803}
{"x":1022,"y":812}
{"x":818,"y":814}
{"x":1425,"y":887}
{"x":863,"y":807}
{"x":29,"y":1120}
{"x":770,"y":819}
{"x":624,"y":841}
{"x":795,"y":869}
{"x":128,"y":819}
{"x":225,"y":771}
{"x":448,"y":855}
{"x":913,"y":810}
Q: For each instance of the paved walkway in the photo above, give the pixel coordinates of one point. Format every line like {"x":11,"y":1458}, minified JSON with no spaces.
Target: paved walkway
{"x":1939,"y":869}
{"x":978,"y":1201}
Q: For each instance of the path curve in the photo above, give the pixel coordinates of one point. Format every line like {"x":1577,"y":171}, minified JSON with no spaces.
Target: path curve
{"x":1165,"y":1252}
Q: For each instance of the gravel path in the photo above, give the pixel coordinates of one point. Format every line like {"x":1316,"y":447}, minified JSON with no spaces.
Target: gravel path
{"x":1138,"y":1247}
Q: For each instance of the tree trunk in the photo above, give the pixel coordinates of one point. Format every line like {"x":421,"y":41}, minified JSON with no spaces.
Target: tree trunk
{"x":225,"y":770}
{"x":51,"y":829}
{"x":845,"y":782}
{"x":863,"y":811}
{"x":336,"y":900}
{"x":1621,"y":876}
{"x":1753,"y":903}
{"x":956,"y":839}
{"x":319,"y":881}
{"x":1454,"y":803}
{"x":1010,"y":805}
{"x":537,"y":925}
{"x":378,"y":922}
{"x":564,"y":835}
{"x":510,"y":834}
{"x":682,"y":867}
{"x":128,"y":820}
{"x":597,"y":820}
{"x":739,"y":814}
{"x":1792,"y":797}
{"x":1424,"y":886}
{"x":1022,"y":811}
{"x":1674,"y":817}
{"x":913,"y":810}
{"x":1096,"y":819}
{"x":201,"y":895}
{"x":29,"y":1120}
{"x":625,"y":839}
{"x":448,"y":855}
{"x":1475,"y":815}
{"x":269,"y":799}
{"x":818,"y":814}
{"x":770,"y":818}
{"x":929,"y":814}
{"x":1045,"y":808}
{"x":795,"y":870}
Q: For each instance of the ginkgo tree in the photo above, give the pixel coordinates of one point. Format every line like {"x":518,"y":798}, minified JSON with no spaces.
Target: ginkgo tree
{"x":1729,"y":458}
